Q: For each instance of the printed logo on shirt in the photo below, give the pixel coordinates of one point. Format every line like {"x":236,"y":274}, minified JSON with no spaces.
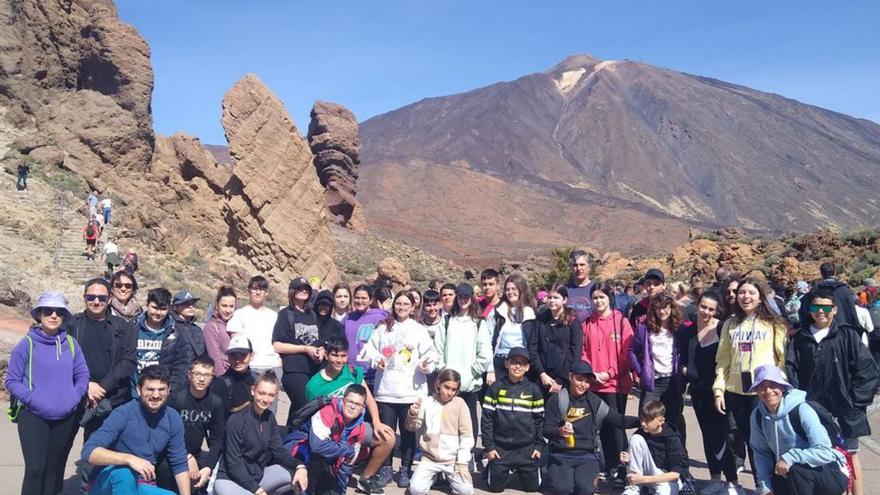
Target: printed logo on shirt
{"x":308,"y":334}
{"x":737,"y":336}
{"x":576,"y":414}
{"x":195,"y":416}
{"x":365,"y":331}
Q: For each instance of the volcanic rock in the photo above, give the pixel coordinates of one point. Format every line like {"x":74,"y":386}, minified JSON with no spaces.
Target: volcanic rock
{"x":391,"y":270}
{"x":333,"y":138}
{"x":276,"y":210}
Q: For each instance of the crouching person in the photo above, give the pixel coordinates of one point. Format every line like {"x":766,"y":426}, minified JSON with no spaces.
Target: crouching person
{"x":513,"y":420}
{"x":332,"y":440}
{"x":656,"y":457}
{"x":574,"y":417}
{"x":443,"y":428}
{"x":255,"y":460}
{"x":140,"y":432}
{"x":793,"y":453}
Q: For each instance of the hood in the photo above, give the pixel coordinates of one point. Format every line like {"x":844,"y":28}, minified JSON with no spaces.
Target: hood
{"x":178,"y":318}
{"x":792,"y":399}
{"x":38,"y":335}
{"x":166,"y":325}
{"x":831,"y":283}
{"x":325,"y":296}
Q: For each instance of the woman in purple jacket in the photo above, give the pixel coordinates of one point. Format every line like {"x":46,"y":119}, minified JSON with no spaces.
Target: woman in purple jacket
{"x":655,"y":358}
{"x":359,"y":324}
{"x":48,"y":376}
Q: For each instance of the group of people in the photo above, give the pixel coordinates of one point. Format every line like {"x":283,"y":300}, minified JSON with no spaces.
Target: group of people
{"x":168,"y":406}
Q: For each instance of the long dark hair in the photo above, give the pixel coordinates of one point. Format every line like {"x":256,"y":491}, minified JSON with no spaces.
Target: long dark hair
{"x":675,"y":315}
{"x":568,"y":315}
{"x":764,"y":311}
{"x":607,"y":288}
{"x":473,"y":309}
{"x":729,"y":308}
{"x":526,"y":298}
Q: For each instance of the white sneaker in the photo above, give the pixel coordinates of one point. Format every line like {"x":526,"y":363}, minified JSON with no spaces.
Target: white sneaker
{"x":631,"y":490}
{"x":732,"y":489}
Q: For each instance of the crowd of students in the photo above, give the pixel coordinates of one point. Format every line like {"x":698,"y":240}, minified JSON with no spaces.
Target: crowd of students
{"x":167,"y":406}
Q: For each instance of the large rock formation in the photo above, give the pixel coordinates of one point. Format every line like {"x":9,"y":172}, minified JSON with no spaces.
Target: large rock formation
{"x":276,"y":212}
{"x":77,"y":83}
{"x":333,"y":138}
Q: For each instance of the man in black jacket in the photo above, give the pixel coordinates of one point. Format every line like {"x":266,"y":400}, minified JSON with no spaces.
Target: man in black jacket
{"x":108,"y":345}
{"x":203,"y":419}
{"x":512,"y":426}
{"x":843,"y":297}
{"x":829,"y":362}
{"x":183,"y":314}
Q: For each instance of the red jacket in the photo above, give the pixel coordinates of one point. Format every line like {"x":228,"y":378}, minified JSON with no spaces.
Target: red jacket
{"x":606,"y":341}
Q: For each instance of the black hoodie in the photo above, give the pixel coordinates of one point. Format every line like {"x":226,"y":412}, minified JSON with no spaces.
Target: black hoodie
{"x":666,"y":449}
{"x":582,"y":412}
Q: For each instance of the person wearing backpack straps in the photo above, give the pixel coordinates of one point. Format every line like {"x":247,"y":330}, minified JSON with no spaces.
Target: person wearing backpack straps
{"x":505,"y":322}
{"x":794,"y":454}
{"x":830,"y":364}
{"x":573,"y":419}
{"x":47,"y":377}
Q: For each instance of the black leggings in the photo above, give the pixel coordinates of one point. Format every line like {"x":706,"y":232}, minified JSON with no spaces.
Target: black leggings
{"x":394,"y":416}
{"x":806,"y":480}
{"x":740,"y":407}
{"x":613,"y":437}
{"x":295,"y":386}
{"x":471,"y":399}
{"x":713,"y":425}
{"x":45,"y":445}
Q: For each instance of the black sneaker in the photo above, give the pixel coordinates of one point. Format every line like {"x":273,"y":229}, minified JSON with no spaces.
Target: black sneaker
{"x":370,"y":486}
{"x":403,"y":476}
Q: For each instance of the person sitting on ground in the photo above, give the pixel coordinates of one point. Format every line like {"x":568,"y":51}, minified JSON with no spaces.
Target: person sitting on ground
{"x":793,"y":452}
{"x":255,"y":460}
{"x":442,"y":424}
{"x":656,"y":457}
{"x":203,"y":420}
{"x":333,"y":381}
{"x":332,"y":441}
{"x":234,"y":386}
{"x":135,"y":436}
{"x":513,"y":422}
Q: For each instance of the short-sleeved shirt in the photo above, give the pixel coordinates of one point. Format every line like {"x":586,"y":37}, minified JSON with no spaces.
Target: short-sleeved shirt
{"x":319,"y":386}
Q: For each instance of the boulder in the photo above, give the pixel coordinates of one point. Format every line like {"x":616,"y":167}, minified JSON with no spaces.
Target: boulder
{"x":276,"y":212}
{"x":391,"y":270}
{"x":333,"y":138}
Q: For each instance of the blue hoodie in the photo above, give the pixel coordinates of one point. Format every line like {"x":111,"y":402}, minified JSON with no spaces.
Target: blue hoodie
{"x":773,"y":438}
{"x":59,"y":379}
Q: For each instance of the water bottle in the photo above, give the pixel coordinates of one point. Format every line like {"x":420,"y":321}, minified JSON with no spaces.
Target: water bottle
{"x":569,"y":440}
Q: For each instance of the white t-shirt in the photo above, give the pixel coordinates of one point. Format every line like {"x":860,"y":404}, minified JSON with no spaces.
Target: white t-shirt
{"x":864,"y":316}
{"x":661,"y":348}
{"x":106,"y":204}
{"x":110,"y":248}
{"x":819,"y":334}
{"x":257,"y":326}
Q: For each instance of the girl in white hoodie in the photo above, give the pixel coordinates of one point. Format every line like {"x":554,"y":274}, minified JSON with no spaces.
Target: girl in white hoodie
{"x":403,"y":354}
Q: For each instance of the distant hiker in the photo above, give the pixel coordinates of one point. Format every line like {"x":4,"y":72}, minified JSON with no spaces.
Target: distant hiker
{"x":92,"y":203}
{"x":90,"y":234}
{"x":131,"y":261}
{"x":110,"y":255}
{"x":124,"y":303}
{"x":23,"y":171}
{"x":47,"y":377}
{"x":105,"y":209}
{"x":579,"y":285}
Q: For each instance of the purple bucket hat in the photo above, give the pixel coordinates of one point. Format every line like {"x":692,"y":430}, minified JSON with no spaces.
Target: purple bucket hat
{"x":52,"y":300}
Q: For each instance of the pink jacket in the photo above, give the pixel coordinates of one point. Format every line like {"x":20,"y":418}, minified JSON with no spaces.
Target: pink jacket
{"x":606,"y":341}
{"x":216,"y":343}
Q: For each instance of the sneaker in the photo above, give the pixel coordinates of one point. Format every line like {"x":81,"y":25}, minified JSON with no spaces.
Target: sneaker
{"x":403,"y":476}
{"x":732,"y":489}
{"x":383,"y":477}
{"x":370,"y":486}
{"x":631,"y":490}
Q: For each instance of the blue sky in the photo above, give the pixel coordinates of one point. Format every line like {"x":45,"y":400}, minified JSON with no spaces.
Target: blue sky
{"x":375,"y":56}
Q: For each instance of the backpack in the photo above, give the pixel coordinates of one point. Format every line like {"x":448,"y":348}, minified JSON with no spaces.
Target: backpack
{"x":90,"y":231}
{"x":832,"y":428}
{"x":598,"y":416}
{"x":14,"y":405}
{"x":306,"y":412}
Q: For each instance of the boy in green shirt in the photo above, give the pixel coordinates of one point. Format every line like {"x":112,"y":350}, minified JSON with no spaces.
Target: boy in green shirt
{"x":333,"y":380}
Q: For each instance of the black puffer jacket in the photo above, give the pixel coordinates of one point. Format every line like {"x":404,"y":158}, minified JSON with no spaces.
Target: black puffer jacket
{"x":553,"y":345}
{"x":838,"y":373}
{"x":193,"y":345}
{"x":666,"y":449}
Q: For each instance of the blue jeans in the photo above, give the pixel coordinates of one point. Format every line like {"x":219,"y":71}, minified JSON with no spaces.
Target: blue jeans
{"x":121,"y":479}
{"x":107,"y":216}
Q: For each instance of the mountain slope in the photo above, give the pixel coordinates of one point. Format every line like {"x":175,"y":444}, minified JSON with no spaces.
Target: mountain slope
{"x":667,"y":148}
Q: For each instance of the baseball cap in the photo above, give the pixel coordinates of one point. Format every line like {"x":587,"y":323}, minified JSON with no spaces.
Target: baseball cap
{"x":239,"y":343}
{"x":518,"y":351}
{"x":657,"y":274}
{"x":183,"y":296}
{"x":582,"y":368}
{"x":300,"y":283}
{"x":464,"y":289}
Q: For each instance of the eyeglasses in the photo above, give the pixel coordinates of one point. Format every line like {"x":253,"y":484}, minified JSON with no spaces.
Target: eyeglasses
{"x":121,"y":285}
{"x":99,"y":297}
{"x":825,"y":308}
{"x":353,"y":404}
{"x":45,"y":312}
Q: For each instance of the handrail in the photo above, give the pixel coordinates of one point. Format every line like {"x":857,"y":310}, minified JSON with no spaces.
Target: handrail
{"x":61,"y":225}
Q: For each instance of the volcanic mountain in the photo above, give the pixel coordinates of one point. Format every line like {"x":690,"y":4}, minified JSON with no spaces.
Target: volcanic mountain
{"x":614,"y":155}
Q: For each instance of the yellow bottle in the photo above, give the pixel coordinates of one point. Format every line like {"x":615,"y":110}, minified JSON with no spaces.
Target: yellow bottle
{"x":569,"y":440}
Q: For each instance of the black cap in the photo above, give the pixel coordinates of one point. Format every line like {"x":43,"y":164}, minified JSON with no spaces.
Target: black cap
{"x":325,"y":296}
{"x":656,"y":273}
{"x":300,"y":283}
{"x":582,"y":368}
{"x":518,"y":351}
{"x":464,"y":289}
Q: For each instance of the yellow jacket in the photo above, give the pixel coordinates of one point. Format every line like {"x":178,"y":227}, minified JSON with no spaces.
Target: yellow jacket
{"x":744,"y":347}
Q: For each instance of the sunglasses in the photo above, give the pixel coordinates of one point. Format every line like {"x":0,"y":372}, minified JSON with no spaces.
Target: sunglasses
{"x":100,"y":297}
{"x":120,"y":285}
{"x":46,"y":312}
{"x":825,"y":308}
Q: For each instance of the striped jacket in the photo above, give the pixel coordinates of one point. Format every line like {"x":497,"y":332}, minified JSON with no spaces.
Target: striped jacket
{"x":513,"y":415}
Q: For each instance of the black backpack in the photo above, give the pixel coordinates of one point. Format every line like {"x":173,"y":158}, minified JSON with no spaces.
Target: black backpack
{"x":306,"y":412}
{"x":90,"y":230}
